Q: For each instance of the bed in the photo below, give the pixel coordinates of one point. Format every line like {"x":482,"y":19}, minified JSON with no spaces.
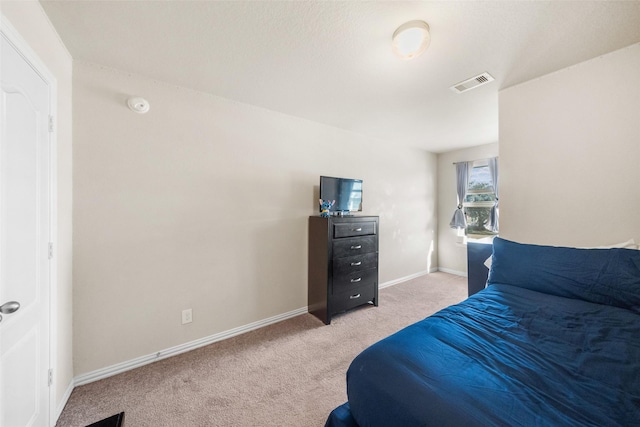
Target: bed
{"x":554,"y":340}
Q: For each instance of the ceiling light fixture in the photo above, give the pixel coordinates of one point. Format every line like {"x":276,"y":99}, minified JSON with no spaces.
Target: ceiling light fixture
{"x":411,"y":39}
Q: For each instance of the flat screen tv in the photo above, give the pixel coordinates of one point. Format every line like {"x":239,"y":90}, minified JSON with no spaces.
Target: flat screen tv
{"x":345,"y":191}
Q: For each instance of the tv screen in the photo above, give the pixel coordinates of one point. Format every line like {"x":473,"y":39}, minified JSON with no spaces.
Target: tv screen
{"x":346,"y":192}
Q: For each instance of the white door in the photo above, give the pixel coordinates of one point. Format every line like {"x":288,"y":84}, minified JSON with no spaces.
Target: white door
{"x":24,"y":241}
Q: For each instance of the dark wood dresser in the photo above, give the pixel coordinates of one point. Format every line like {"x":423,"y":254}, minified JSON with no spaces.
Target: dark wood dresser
{"x":343,"y":264}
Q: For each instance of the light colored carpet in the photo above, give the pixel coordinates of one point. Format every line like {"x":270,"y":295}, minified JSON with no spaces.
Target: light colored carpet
{"x":288,"y":374}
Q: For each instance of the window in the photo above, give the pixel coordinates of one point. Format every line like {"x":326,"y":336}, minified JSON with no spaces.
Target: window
{"x":479,"y":200}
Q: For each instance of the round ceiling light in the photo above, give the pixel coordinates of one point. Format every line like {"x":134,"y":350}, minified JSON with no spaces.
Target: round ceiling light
{"x":411,"y":39}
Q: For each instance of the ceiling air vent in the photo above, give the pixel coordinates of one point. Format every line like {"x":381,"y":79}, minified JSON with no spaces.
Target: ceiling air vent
{"x":472,"y":83}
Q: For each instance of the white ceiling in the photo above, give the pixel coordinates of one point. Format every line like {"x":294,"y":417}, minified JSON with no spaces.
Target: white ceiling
{"x":331,"y":61}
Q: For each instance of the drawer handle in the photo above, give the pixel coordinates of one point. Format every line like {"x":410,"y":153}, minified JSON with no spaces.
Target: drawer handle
{"x":355,"y":264}
{"x":357,"y":229}
{"x":356,"y":280}
{"x":354,"y":296}
{"x":356,"y":247}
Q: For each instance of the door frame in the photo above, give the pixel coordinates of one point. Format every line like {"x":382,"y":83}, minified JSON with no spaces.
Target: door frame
{"x":24,"y":49}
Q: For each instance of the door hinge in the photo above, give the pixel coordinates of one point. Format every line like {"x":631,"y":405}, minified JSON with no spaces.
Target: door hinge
{"x":50,"y":250}
{"x":50,"y":378}
{"x":50,"y":123}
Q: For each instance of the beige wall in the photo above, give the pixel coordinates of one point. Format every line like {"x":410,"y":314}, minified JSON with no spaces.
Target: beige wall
{"x":203,"y":203}
{"x":452,"y":253}
{"x":28,"y":18}
{"x":570,"y":154}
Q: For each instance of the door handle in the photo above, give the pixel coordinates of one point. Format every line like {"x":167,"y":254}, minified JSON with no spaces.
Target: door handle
{"x":9,"y":307}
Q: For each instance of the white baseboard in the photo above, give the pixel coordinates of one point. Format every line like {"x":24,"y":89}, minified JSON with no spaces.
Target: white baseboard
{"x":457,"y":273}
{"x":119,"y":368}
{"x":182,"y":348}
{"x":405,"y":278}
{"x":64,"y":400}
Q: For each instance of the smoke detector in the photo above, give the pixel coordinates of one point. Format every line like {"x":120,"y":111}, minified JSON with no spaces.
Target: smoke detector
{"x":137,"y":104}
{"x":472,"y":83}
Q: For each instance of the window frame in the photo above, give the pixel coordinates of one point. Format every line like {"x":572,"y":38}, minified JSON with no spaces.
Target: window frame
{"x":480,"y":204}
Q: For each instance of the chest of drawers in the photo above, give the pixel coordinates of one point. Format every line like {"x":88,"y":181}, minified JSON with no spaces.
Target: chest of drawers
{"x":343,"y":264}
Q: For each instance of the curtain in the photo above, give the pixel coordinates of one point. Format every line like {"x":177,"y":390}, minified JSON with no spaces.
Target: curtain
{"x":462,"y":177}
{"x":493,"y":169}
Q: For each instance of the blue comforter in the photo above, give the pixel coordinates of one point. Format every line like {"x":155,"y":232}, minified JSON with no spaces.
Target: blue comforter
{"x":511,"y":355}
{"x":506,"y":356}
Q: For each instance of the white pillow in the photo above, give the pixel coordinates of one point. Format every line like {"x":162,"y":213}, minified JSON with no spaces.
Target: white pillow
{"x":629,"y":244}
{"x":487,"y":262}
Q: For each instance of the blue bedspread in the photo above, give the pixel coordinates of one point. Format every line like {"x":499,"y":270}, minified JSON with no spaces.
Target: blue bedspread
{"x":506,"y":356}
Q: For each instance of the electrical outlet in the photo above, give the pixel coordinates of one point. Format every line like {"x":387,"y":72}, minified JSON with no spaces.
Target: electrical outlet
{"x":187,"y":316}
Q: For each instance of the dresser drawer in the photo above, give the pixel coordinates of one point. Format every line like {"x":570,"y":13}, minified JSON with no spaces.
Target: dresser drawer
{"x":355,"y":297}
{"x":352,"y":264}
{"x":354,"y":246}
{"x":347,"y":282}
{"x":350,"y":229}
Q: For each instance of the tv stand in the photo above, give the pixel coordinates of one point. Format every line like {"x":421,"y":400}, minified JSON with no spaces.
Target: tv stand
{"x":343,"y":264}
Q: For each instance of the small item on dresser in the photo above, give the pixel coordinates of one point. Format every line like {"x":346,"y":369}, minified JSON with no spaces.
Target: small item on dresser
{"x":325,"y":206}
